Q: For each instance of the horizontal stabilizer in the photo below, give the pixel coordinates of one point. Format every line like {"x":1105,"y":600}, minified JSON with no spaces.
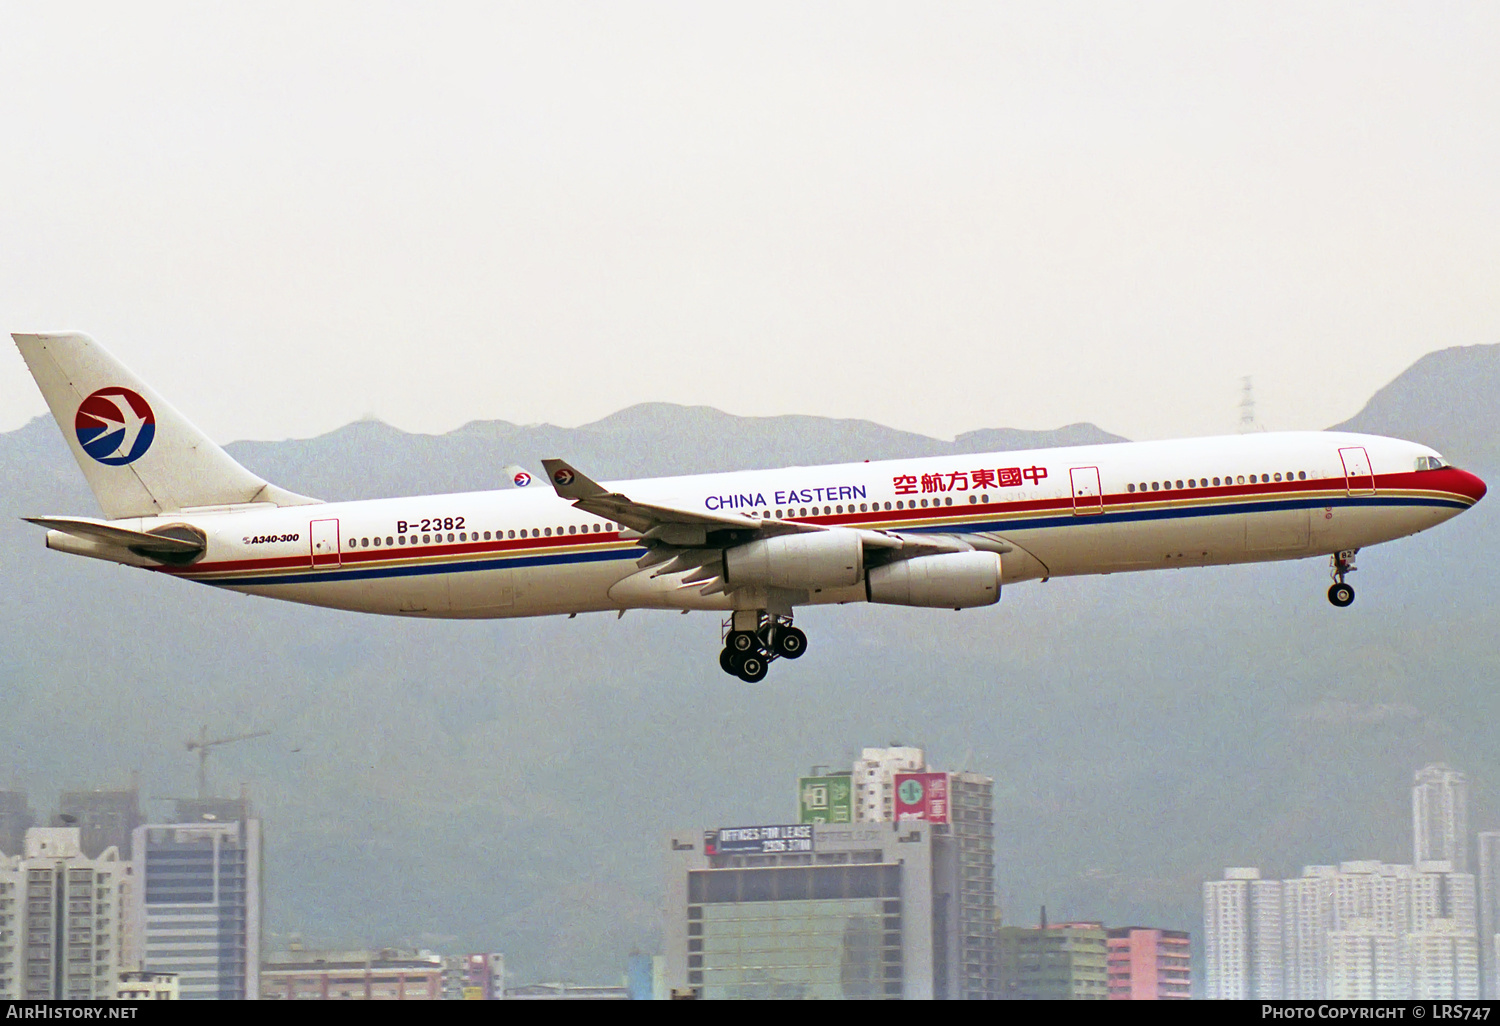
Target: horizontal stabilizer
{"x":109,"y":534}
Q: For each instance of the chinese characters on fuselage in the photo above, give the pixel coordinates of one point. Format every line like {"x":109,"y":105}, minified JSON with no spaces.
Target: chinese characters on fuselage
{"x":967,"y":481}
{"x":904,"y":484}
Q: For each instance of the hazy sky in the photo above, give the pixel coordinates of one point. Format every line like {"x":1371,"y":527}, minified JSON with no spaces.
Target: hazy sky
{"x":941,"y":217}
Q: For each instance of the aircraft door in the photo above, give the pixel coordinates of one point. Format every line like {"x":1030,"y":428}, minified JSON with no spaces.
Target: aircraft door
{"x":324,"y":538}
{"x":1088,"y":496}
{"x":1358,"y":476}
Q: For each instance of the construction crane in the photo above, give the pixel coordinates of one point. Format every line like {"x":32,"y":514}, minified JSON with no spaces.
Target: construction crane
{"x":202,"y":744}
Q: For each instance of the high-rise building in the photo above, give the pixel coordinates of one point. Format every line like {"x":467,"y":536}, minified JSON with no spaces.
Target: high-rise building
{"x":812,"y":911}
{"x":966,"y":812}
{"x":1306,"y":918}
{"x":1054,"y":962}
{"x":875,"y":780}
{"x":61,"y":921}
{"x":1440,"y":817}
{"x":971,"y":798}
{"x":15,"y":820}
{"x":1489,"y":911}
{"x":1242,"y":935}
{"x":1149,"y":964}
{"x":105,"y":819}
{"x":198,"y":905}
{"x":1357,"y":931}
{"x":1400,"y":932}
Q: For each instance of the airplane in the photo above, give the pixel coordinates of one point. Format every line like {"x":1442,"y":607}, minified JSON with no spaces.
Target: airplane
{"x":943,"y":532}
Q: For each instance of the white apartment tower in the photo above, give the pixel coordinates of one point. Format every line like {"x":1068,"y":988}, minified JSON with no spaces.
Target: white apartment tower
{"x":1440,"y":817}
{"x":62,"y":927}
{"x":874,"y":780}
{"x":1357,"y":931}
{"x":1489,"y":910}
{"x":1306,"y":918}
{"x":1242,"y":931}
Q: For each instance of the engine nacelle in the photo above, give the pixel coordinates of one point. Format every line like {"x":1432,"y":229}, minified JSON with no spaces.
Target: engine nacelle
{"x":824,"y":559}
{"x":953,"y":580}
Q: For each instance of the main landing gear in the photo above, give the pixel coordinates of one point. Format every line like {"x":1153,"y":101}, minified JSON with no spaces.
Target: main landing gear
{"x":1341,"y":594}
{"x":753,"y":639}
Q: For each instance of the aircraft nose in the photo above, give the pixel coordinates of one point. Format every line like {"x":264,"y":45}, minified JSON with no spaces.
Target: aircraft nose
{"x":1471,"y":485}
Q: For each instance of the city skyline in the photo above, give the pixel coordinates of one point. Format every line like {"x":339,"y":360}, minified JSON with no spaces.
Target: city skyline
{"x":1362,"y":929}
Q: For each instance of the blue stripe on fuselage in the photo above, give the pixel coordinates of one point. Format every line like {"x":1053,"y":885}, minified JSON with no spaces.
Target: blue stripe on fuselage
{"x":968,"y":527}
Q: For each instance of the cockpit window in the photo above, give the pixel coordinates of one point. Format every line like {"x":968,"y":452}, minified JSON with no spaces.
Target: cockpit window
{"x":1431,"y":463}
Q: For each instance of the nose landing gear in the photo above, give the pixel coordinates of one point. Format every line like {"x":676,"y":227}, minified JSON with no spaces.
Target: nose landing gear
{"x":748,"y":654}
{"x":1341,"y":594}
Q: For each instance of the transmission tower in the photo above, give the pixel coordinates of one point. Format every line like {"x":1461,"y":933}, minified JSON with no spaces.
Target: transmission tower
{"x":1247,"y":406}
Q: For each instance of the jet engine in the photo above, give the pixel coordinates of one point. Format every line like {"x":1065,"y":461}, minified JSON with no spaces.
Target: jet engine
{"x":952,"y":580}
{"x":825,"y":559}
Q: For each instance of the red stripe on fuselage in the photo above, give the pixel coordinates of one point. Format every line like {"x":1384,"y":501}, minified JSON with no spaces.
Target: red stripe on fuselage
{"x":1448,"y":481}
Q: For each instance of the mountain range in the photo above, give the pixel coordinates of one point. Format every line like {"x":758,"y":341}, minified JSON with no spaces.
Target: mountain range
{"x":507,"y":785}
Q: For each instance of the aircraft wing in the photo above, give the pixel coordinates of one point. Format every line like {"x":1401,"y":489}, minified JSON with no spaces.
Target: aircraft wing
{"x":590,"y":496}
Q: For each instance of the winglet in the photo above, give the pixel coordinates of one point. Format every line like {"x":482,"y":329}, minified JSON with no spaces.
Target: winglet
{"x":569,"y":483}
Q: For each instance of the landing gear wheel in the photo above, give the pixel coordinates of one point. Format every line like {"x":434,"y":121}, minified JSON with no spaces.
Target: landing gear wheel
{"x":1341,"y":564}
{"x":726,"y":663}
{"x":753,"y":668}
{"x":741,"y":642}
{"x":790,"y":643}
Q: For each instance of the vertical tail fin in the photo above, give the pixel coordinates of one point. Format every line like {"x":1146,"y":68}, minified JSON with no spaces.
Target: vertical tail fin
{"x":140,"y":456}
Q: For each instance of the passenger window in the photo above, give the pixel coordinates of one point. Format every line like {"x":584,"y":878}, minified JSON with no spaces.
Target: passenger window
{"x":1277,"y":476}
{"x":1301,"y":475}
{"x":549,"y":532}
{"x":377,"y":542}
{"x":1179,"y":484}
{"x":364,"y":543}
{"x":1155,"y":486}
{"x":463,"y":536}
{"x":450,"y":537}
{"x":388,"y":540}
{"x":924,"y":503}
{"x":1130,"y":487}
{"x":1216,"y":482}
{"x":572,"y":528}
{"x":863,"y":508}
{"x":888,"y":505}
{"x":352,"y":544}
{"x":426,"y":538}
{"x":983,"y":498}
{"x":973,"y":498}
{"x":948,"y":501}
{"x":802,"y":512}
{"x":400,"y":539}
{"x":839,"y":509}
{"x":1241,"y":479}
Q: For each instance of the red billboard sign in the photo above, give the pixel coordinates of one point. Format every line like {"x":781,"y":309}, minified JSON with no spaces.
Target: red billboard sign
{"x":922,"y":796}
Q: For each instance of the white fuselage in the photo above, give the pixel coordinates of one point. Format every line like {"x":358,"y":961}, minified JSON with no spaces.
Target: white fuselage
{"x":1051,"y":512}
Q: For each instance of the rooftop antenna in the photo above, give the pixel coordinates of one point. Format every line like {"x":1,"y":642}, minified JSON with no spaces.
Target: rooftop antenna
{"x":202,"y":744}
{"x":1247,"y":406}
